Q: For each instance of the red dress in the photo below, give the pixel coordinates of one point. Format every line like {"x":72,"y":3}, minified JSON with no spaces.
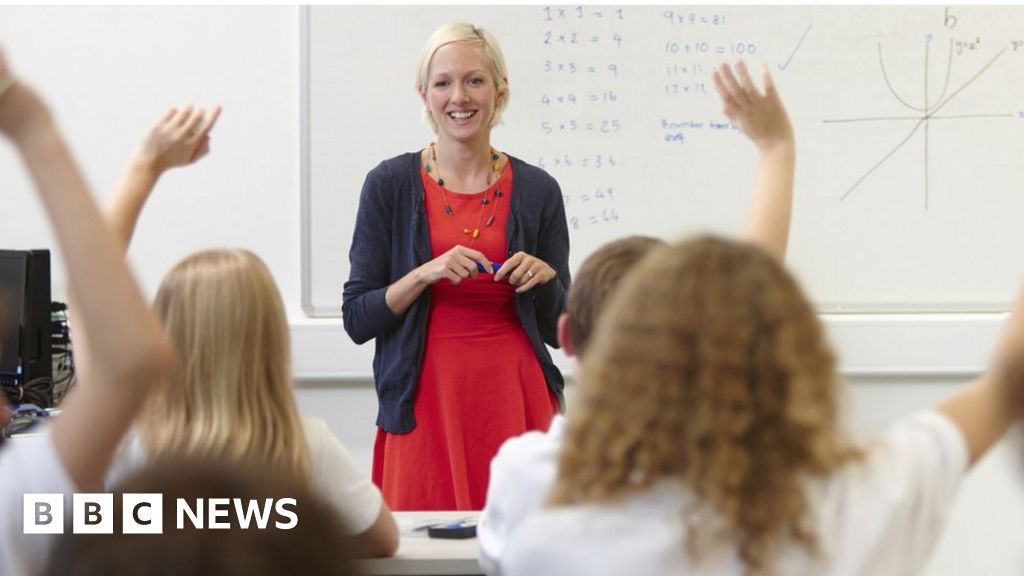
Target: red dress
{"x":480,"y":382}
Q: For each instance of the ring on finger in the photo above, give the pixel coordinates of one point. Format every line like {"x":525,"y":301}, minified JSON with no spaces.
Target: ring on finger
{"x":529,"y":274}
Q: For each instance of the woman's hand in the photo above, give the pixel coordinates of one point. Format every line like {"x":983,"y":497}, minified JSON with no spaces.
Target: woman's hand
{"x":178,"y":138}
{"x":525,"y":271}
{"x":456,"y":264}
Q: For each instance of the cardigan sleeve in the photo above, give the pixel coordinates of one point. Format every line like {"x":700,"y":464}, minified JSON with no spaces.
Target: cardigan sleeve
{"x":364,"y":310}
{"x":553,"y":248}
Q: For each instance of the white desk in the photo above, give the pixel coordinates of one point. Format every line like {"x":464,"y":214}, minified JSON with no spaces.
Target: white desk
{"x":423,"y":556}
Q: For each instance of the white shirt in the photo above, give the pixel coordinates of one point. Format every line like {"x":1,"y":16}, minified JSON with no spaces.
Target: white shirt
{"x":879,"y":516}
{"x":28,"y":465}
{"x":522,"y":473}
{"x":333,"y":473}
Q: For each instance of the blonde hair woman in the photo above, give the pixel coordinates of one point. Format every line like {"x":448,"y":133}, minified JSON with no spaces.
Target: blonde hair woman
{"x":707,"y":437}
{"x":459,"y":271}
{"x":229,"y":395}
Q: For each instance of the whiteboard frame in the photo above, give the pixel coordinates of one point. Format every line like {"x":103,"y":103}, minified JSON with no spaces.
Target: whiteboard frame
{"x":869,"y":346}
{"x":305,"y":203}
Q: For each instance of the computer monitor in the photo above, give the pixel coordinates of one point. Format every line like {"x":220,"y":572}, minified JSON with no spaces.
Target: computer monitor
{"x":26,"y":329}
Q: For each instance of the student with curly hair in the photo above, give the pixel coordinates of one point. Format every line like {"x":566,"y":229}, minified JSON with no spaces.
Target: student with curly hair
{"x":706,"y":437}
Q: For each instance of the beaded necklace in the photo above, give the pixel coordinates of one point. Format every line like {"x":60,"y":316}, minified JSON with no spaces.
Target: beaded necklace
{"x":474,"y":232}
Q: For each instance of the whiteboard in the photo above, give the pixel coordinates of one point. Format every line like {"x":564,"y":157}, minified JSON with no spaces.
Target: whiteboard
{"x":909,"y":123}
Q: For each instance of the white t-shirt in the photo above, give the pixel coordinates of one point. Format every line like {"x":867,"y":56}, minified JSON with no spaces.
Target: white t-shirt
{"x":28,"y":465}
{"x":333,"y":473}
{"x":522,"y":473}
{"x":880,"y":516}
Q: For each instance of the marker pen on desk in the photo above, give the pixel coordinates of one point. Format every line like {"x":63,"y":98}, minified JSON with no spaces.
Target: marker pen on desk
{"x":458,"y":530}
{"x":494,"y":265}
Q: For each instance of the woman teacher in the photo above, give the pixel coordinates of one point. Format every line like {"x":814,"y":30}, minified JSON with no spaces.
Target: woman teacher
{"x":459,"y":270}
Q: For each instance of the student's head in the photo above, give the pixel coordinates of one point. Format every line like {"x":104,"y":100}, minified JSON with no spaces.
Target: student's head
{"x":229,"y":391}
{"x":598,"y":276}
{"x":316,"y":544}
{"x":709,"y":367}
{"x":491,"y":59}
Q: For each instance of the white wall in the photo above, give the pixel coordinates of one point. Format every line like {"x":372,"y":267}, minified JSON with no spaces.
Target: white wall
{"x":109,"y":71}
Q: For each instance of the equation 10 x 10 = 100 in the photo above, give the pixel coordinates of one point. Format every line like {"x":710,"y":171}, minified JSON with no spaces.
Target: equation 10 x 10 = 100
{"x":718,"y":49}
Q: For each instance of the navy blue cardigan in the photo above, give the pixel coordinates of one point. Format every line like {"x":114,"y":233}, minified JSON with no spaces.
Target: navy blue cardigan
{"x":392,"y":237}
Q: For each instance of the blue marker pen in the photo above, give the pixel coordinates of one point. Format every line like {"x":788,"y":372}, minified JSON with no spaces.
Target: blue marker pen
{"x":465,"y":528}
{"x":494,"y":265}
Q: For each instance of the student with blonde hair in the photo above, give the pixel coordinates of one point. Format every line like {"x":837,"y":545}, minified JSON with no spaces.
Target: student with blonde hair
{"x":229,"y":391}
{"x":524,"y":470}
{"x":128,"y":352}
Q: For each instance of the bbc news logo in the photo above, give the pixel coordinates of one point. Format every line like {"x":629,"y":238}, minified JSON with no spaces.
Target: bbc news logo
{"x":144,"y":513}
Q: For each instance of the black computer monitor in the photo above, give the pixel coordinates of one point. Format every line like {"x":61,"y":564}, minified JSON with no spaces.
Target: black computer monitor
{"x":25,"y":296}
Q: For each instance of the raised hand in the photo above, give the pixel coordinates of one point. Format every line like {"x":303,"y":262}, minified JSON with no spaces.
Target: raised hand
{"x":178,"y":138}
{"x":760,"y":115}
{"x":762,"y":118}
{"x":128,"y":353}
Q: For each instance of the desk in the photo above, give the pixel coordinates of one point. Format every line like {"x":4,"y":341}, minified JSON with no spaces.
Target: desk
{"x":423,"y":556}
